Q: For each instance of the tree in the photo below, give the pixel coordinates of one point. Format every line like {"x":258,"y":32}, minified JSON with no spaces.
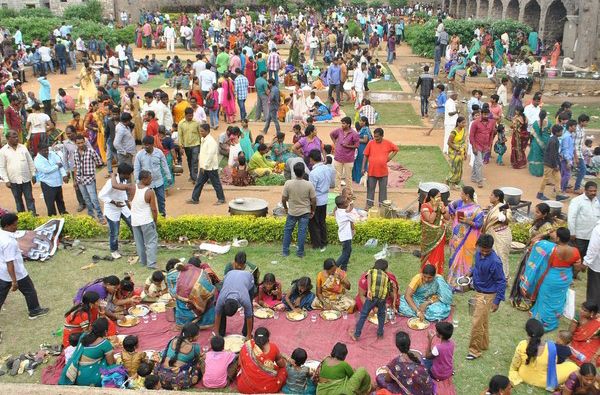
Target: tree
{"x":320,"y":5}
{"x":90,"y":11}
{"x":376,"y":3}
{"x":398,"y":3}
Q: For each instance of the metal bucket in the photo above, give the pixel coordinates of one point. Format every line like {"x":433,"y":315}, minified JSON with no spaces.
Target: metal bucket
{"x":512,"y":196}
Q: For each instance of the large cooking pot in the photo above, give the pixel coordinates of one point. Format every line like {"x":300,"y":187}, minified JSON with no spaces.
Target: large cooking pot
{"x":555,"y":207}
{"x":249,"y":206}
{"x":512,"y":196}
{"x":425,"y":187}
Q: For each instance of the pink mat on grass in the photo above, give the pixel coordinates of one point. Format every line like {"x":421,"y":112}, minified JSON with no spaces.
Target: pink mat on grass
{"x":316,"y":338}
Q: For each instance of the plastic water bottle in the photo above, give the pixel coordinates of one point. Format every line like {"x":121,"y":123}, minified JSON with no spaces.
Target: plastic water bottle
{"x":580,"y":356}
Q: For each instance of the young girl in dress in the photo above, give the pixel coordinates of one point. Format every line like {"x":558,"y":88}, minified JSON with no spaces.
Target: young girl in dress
{"x":269,"y":293}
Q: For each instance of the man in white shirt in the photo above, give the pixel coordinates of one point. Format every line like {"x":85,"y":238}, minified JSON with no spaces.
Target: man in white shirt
{"x":122,"y":56}
{"x":450,"y":117}
{"x":169,"y":35}
{"x":208,"y":167}
{"x":592,"y":261}
{"x":313,"y":44}
{"x":207,"y":78}
{"x":522,"y":69}
{"x":164,"y":116}
{"x":502,"y":92}
{"x":199,"y":113}
{"x":149,"y":105}
{"x":133,"y":79}
{"x":358,"y":83}
{"x":532,"y":111}
{"x":583,"y":215}
{"x":13,"y":274}
{"x":199,"y":65}
{"x":17,"y":170}
{"x":115,"y":207}
{"x":46,"y":57}
{"x":186,"y":34}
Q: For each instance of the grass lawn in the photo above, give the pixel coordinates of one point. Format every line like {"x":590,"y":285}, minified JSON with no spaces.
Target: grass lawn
{"x":436,"y":168}
{"x":383,"y":85}
{"x":592,"y":110}
{"x":390,"y":113}
{"x":58,"y":279}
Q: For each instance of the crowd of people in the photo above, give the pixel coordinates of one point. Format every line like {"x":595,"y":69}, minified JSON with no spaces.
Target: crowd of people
{"x":236,"y":55}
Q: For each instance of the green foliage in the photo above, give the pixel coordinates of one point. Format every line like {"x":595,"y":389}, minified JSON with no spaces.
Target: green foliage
{"x":354,"y":29}
{"x":376,"y":4}
{"x":359,"y":3}
{"x":36,"y":13}
{"x":8,"y":13}
{"x":397,"y":3}
{"x":422,"y":37}
{"x":89,"y":11}
{"x":32,"y":27}
{"x":265,"y":229}
{"x":320,"y":5}
{"x":271,"y":179}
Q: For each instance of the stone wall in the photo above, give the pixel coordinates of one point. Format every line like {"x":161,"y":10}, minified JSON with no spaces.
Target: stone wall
{"x":552,"y":86}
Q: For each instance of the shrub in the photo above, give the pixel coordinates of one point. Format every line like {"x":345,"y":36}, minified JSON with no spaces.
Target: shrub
{"x":359,"y":3}
{"x":8,"y":13}
{"x":89,"y":11}
{"x":36,"y":13}
{"x":354,"y":29}
{"x":422,"y":37}
{"x":271,"y":179}
{"x":266,"y":229}
{"x":398,"y":3}
{"x":376,"y":4}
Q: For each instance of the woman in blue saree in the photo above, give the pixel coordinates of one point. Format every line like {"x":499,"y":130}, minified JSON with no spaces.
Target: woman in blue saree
{"x":498,"y":54}
{"x":365,"y":136}
{"x":428,"y":296}
{"x":547,"y":277}
{"x":93,"y":353}
{"x":300,"y":295}
{"x":462,"y":63}
{"x":196,"y":295}
{"x":540,"y":136}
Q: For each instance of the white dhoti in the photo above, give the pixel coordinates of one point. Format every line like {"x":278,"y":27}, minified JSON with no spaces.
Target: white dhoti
{"x":447,"y":130}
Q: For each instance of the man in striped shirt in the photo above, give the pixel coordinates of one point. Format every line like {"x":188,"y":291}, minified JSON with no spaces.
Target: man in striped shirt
{"x":273,"y":65}
{"x":241,"y":91}
{"x":378,"y":286}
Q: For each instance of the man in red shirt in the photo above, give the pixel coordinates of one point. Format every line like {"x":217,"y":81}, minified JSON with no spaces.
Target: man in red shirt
{"x":152,"y":129}
{"x":13,"y":117}
{"x":480,"y":136}
{"x":378,"y":153}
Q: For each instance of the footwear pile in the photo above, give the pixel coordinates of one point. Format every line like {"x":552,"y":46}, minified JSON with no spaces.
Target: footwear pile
{"x":27,"y":362}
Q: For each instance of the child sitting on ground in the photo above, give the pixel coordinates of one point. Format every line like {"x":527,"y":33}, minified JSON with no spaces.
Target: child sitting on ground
{"x":73,"y":341}
{"x":300,"y":295}
{"x":130,"y":357}
{"x":152,"y":382}
{"x":440,"y":358}
{"x":240,"y":175}
{"x":334,"y":108}
{"x":269,"y":293}
{"x":283,"y":109}
{"x":218,"y":367}
{"x":595,"y":163}
{"x":299,"y":377}
{"x":563,"y":350}
{"x":143,"y":371}
{"x":378,"y":288}
{"x":155,"y":286}
{"x":297,"y":130}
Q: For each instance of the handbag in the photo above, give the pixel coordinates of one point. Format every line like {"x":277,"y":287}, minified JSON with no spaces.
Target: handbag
{"x":210,"y":101}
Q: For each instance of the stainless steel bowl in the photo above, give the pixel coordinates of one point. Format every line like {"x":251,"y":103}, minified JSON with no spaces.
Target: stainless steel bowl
{"x":512,"y":195}
{"x":555,"y":207}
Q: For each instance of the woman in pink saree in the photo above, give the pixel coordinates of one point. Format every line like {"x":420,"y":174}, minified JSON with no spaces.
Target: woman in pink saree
{"x":198,"y":36}
{"x":228,"y":99}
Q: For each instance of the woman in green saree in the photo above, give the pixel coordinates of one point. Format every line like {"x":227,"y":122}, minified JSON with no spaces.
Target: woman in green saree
{"x":457,"y":152}
{"x":540,"y":136}
{"x":94,"y":352}
{"x":336,"y":376}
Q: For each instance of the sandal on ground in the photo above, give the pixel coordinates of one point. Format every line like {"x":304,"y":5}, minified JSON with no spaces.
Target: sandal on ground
{"x":471,"y":357}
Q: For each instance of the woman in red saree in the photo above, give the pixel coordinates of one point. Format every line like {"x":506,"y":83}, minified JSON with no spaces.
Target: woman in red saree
{"x":199,"y":36}
{"x":586,"y":334}
{"x":520,"y":139}
{"x":433,"y":231}
{"x":262,"y":368}
{"x":81,"y":316}
{"x":250,"y":72}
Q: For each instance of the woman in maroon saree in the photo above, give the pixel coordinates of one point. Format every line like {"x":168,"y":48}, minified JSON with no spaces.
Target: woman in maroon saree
{"x":520,"y":139}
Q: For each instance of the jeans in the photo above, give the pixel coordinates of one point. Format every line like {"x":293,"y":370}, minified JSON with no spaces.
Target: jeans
{"x":91,"y":199}
{"x":312,"y":53}
{"x":73,"y":59}
{"x":424,"y":105}
{"x":27,"y":288}
{"x":371,"y":184}
{"x":110,"y":155}
{"x":62,"y":65}
{"x":274,"y":74}
{"x":262,"y":107}
{"x":62,"y":106}
{"x":203,"y":177}
{"x":122,"y":68}
{"x":317,"y":227}
{"x":125,"y":158}
{"x":146,"y":243}
{"x":148,"y":40}
{"x":48,"y":66}
{"x":191,"y":155}
{"x":565,"y":174}
{"x":342,"y":261}
{"x":102,"y":55}
{"x":390,"y":56}
{"x":338,"y":90}
{"x":290,"y":224}
{"x":20,"y":190}
{"x":131,"y":63}
{"x":369,"y":305}
{"x":436,"y":67}
{"x":581,"y":170}
{"x":53,"y":197}
{"x":113,"y":231}
{"x":242,"y":106}
{"x":272,"y":116}
{"x":214,"y":118}
{"x":160,"y":199}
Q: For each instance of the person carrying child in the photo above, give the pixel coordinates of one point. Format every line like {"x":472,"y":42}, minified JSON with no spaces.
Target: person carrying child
{"x":377,"y":293}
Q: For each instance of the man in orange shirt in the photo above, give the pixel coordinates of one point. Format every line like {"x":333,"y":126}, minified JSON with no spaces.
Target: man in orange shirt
{"x":378,"y":153}
{"x":152,"y":129}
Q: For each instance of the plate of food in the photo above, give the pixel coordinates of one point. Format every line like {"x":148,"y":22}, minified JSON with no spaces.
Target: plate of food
{"x":330,"y":315}
{"x":117,"y":340}
{"x":165,"y":298}
{"x":515,"y":245}
{"x":234,"y":343}
{"x":264,"y":313}
{"x":152,"y":355}
{"x":139,"y":311}
{"x":158,"y":307}
{"x":381,"y":370}
{"x":374,"y":320}
{"x":296,"y":315}
{"x":416,"y":324}
{"x":128,"y":321}
{"x":312,"y":364}
{"x":118,"y":358}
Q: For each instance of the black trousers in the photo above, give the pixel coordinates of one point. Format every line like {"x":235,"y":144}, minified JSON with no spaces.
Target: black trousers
{"x":20,"y":190}
{"x":317,"y":227}
{"x":53,"y":197}
{"x":582,"y":246}
{"x":26,"y":287}
{"x":47,"y":107}
{"x":593,"y":287}
{"x":223,"y":326}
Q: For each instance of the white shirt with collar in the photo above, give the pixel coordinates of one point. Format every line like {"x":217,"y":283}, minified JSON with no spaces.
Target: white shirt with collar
{"x":209,"y":154}
{"x":9,"y":252}
{"x":108,"y":194}
{"x":583,"y":216}
{"x":16,"y":165}
{"x":592,"y":258}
